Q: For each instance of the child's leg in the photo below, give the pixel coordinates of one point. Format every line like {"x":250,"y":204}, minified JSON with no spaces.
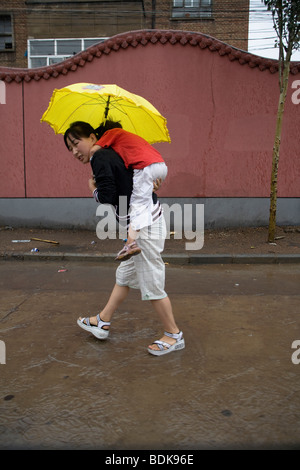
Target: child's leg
{"x":141,"y":197}
{"x":158,"y":171}
{"x":94,"y":149}
{"x":143,"y":188}
{"x":132,"y":235}
{"x":141,"y":205}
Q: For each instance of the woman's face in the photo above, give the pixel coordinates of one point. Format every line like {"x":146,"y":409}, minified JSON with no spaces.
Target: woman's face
{"x":81,"y":147}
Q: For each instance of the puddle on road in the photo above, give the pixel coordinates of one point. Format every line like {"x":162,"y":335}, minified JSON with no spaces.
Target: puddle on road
{"x":87,"y":394}
{"x":234,"y":385}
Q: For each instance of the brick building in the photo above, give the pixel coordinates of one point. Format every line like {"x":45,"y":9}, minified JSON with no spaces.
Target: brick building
{"x":226,"y":20}
{"x":13,"y":33}
{"x":81,"y":24}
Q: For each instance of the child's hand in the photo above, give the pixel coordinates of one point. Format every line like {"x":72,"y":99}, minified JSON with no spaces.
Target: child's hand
{"x":94,"y":149}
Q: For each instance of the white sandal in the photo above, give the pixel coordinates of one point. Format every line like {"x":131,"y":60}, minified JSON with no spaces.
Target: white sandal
{"x":165,"y":348}
{"x":98,"y":331}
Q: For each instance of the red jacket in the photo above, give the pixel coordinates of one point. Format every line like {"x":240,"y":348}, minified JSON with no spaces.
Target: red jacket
{"x":135,"y":151}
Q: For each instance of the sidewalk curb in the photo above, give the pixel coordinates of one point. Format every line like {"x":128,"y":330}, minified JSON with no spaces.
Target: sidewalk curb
{"x":175,"y":259}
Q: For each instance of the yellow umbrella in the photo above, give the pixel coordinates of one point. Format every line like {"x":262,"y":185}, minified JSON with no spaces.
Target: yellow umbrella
{"x":95,"y":103}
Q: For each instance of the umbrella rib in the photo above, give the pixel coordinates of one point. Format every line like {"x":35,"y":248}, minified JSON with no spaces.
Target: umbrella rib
{"x":129,"y":105}
{"x":94,"y":103}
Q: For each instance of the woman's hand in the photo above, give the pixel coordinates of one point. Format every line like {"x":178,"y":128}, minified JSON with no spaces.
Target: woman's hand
{"x":92,"y":185}
{"x":157,"y":184}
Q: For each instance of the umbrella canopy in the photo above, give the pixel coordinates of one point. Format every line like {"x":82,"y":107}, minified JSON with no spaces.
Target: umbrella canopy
{"x":95,"y":103}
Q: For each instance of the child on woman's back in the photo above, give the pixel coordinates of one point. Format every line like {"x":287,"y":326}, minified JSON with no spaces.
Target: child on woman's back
{"x":148,"y":166}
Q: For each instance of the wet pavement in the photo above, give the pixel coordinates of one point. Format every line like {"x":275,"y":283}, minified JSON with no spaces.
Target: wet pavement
{"x":235,"y":386}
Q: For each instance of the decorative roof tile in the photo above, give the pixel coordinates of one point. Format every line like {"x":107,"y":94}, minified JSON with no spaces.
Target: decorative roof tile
{"x":143,"y":38}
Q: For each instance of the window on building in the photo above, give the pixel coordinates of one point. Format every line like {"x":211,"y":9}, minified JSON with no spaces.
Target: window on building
{"x":192,"y":9}
{"x":6,"y":33}
{"x":42,"y":52}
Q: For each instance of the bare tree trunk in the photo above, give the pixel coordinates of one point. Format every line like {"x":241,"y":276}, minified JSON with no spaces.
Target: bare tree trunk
{"x":276,"y":148}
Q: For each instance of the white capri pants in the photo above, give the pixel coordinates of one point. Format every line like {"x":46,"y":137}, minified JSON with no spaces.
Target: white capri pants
{"x":146,"y":271}
{"x":141,"y":197}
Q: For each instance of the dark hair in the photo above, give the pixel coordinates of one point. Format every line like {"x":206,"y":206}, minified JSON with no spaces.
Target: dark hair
{"x":106,"y":127}
{"x":78,"y":130}
{"x":81,"y":129}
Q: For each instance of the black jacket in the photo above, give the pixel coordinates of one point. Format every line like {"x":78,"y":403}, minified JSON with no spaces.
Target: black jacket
{"x":112,"y":178}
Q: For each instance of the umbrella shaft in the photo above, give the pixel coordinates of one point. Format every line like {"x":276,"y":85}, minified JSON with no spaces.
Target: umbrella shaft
{"x":107,"y":108}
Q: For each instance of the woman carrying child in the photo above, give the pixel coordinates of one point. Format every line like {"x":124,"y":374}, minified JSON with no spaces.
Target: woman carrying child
{"x":146,"y":271}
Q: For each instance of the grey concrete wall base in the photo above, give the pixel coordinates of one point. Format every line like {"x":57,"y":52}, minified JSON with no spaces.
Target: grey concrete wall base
{"x":85,"y":213}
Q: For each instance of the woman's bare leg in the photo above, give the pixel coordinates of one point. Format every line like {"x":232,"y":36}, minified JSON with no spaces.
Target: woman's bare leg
{"x":118,"y":295}
{"x":163,"y":308}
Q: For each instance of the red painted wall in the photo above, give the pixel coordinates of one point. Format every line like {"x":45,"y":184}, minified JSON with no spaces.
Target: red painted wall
{"x":11,"y":143}
{"x":220,"y":105}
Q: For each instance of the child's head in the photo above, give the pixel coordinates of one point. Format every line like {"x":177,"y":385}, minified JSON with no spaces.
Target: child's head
{"x":79,"y":139}
{"x":108,"y":125}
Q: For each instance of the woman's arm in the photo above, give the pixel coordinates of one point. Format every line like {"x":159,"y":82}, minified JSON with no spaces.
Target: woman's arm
{"x":103,"y":184}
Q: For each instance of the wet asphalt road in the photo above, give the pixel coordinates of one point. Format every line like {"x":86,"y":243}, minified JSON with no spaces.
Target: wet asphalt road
{"x":235,"y":386}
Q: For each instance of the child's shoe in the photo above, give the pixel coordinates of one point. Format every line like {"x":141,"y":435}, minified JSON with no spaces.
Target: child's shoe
{"x":128,"y":251}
